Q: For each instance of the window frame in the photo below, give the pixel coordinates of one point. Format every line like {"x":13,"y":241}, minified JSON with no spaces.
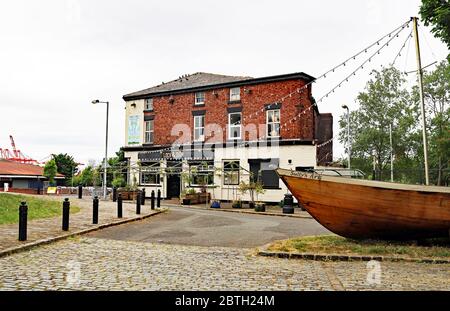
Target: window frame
{"x":146,"y":102}
{"x":273,"y":123}
{"x":231,"y":171}
{"x":209,"y":172}
{"x":143,"y":173}
{"x":202,"y":137}
{"x":235,"y":97}
{"x":150,"y":132}
{"x":234,"y":126}
{"x":197,"y":103}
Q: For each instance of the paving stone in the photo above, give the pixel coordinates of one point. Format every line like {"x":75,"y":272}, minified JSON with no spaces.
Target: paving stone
{"x":123,"y":265}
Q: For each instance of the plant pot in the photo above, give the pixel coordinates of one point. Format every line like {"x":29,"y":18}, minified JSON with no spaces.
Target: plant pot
{"x":186,"y":201}
{"x":260,"y":207}
{"x":237,"y":205}
{"x":215,"y":204}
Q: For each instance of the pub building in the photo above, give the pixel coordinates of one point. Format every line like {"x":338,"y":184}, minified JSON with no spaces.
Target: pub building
{"x":210,"y":131}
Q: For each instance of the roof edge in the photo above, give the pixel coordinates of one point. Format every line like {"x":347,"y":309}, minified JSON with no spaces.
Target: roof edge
{"x":268,"y":79}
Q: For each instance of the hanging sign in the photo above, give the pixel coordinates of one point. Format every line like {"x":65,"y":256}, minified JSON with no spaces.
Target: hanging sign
{"x":134,"y":131}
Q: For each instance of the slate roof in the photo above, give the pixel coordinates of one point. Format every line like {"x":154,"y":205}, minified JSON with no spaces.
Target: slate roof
{"x":204,"y":80}
{"x":20,"y":169}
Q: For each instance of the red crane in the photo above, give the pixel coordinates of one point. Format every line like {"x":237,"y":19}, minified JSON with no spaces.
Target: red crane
{"x":16,"y":155}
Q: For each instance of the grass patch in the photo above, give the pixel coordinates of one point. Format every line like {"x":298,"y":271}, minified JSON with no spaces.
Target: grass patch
{"x":37,"y":208}
{"x":330,"y":244}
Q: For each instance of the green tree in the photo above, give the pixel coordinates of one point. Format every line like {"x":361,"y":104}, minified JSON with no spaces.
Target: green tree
{"x":117,"y":168}
{"x":50,"y":171}
{"x":437,"y":96}
{"x":384,"y":102}
{"x":437,"y":14}
{"x":66,"y":165}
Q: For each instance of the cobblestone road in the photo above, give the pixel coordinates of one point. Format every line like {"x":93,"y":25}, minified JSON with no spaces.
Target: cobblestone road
{"x":99,"y":264}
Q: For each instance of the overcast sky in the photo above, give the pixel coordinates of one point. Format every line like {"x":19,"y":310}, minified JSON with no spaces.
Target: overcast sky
{"x":56,"y":56}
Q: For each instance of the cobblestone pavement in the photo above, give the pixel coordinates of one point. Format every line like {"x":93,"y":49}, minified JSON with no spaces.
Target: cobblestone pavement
{"x":98,"y":264}
{"x":51,"y":227}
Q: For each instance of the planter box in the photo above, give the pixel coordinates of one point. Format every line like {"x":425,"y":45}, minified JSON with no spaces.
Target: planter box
{"x":128,"y":195}
{"x":198,"y":198}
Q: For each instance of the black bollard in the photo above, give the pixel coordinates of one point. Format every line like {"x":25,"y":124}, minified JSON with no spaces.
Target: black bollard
{"x":23,"y":215}
{"x":288,"y":206}
{"x":138,"y":203}
{"x":119,"y":205}
{"x":65,"y":215}
{"x":114,"y":194}
{"x":158,"y":199}
{"x":80,"y":191}
{"x":95,"y":210}
{"x":152,"y":199}
{"x":143,"y":197}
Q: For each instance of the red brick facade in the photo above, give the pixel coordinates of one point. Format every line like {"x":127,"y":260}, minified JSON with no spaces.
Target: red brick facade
{"x":177,"y":109}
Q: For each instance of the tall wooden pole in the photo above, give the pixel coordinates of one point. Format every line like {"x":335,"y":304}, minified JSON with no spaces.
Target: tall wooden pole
{"x":392,"y":153}
{"x":422,"y":100}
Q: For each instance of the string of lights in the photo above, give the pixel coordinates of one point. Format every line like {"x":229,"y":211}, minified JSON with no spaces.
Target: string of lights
{"x":399,"y":54}
{"x":391,"y":35}
{"x":346,"y":79}
{"x":332,"y":70}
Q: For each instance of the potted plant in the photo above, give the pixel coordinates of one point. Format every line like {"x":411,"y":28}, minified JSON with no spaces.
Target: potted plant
{"x":253,"y":188}
{"x":236,"y":204}
{"x":215,"y":204}
{"x":260,"y":207}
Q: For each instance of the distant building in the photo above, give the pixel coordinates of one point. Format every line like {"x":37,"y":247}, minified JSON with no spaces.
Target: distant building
{"x":199,"y":129}
{"x":22,"y":178}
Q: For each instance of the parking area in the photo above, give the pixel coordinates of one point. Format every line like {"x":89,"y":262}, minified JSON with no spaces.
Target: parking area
{"x":188,"y":226}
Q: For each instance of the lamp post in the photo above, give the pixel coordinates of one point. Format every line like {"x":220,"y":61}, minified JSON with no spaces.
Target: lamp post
{"x":106,"y":144}
{"x":348,"y":133}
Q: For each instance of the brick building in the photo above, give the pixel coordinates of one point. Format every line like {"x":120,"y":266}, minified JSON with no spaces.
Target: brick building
{"x":214,"y":131}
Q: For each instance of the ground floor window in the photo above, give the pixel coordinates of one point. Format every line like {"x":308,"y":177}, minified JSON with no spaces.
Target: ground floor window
{"x":263,"y":170}
{"x":231,"y":170}
{"x":201,"y":173}
{"x":150,"y":173}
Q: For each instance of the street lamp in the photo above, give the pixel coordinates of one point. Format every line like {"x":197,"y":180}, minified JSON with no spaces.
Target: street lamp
{"x":106,"y":144}
{"x":348,"y":133}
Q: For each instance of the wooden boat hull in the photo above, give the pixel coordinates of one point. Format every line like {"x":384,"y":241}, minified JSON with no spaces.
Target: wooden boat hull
{"x":376,"y":210}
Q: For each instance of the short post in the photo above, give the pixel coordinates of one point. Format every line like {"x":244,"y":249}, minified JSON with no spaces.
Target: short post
{"x":138,"y":204}
{"x":288,"y":206}
{"x":66,"y":211}
{"x":114,"y":194}
{"x":152,"y":198}
{"x":80,"y":191}
{"x":158,"y":199}
{"x":119,"y":205}
{"x":95,"y":210}
{"x":23,"y":215}
{"x":143,"y":197}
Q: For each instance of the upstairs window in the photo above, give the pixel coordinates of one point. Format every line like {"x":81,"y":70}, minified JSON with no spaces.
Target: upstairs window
{"x":149,"y":132}
{"x":273,"y":123}
{"x":235,"y":94}
{"x":199,"y":128}
{"x":234,"y":125}
{"x":149,"y":104}
{"x":200,"y":98}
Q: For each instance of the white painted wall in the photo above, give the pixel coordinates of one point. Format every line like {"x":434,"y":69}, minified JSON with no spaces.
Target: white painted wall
{"x":300,"y":156}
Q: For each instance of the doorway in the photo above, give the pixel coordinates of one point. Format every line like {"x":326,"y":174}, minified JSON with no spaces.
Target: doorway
{"x":173,"y":180}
